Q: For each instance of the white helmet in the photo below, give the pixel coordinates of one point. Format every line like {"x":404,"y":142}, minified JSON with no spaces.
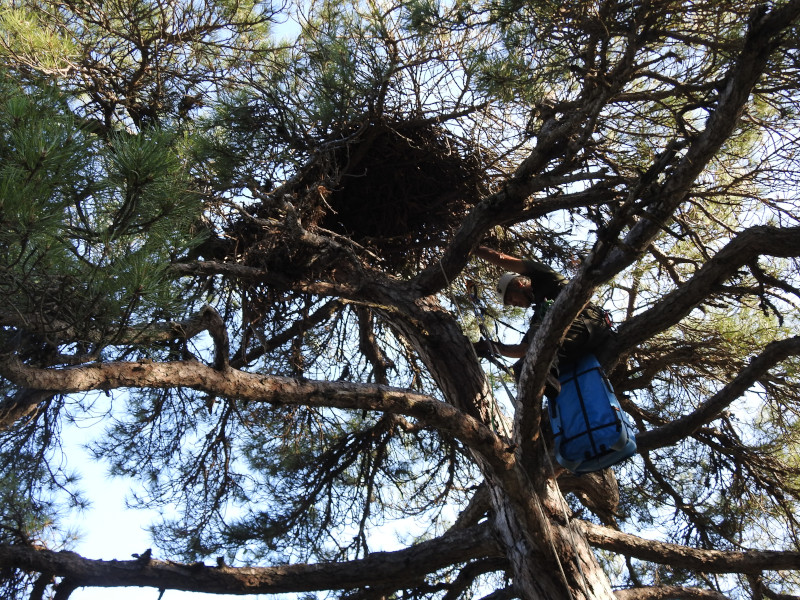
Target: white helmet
{"x":502,"y":284}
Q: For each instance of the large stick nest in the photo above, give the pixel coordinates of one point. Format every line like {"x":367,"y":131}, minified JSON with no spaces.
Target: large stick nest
{"x":397,"y":189}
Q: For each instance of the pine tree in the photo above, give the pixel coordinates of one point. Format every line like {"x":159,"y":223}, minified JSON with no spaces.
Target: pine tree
{"x":241,"y":250}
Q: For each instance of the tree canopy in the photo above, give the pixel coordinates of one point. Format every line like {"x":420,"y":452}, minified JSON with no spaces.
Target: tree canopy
{"x":236,"y":238}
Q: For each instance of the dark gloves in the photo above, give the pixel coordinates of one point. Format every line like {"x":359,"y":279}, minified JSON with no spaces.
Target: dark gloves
{"x":483,"y":348}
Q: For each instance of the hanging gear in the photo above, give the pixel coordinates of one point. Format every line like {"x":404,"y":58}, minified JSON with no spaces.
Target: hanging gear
{"x":590,"y":430}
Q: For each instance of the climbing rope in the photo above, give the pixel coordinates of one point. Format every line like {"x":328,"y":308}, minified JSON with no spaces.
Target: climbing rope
{"x":567,"y":520}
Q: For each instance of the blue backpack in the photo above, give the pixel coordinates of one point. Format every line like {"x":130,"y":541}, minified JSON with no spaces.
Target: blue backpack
{"x":591,"y":431}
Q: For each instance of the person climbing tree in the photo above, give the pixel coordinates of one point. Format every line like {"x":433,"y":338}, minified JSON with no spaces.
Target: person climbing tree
{"x":528,"y":283}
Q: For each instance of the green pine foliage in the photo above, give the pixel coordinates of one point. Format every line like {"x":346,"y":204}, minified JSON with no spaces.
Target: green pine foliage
{"x":90,"y":226}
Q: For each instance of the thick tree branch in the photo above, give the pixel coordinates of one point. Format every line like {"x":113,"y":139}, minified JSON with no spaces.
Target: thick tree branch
{"x":470,"y":573}
{"x":749,"y":244}
{"x":213,"y":322}
{"x":669,"y":592}
{"x":709,"y":561}
{"x":605,"y":260}
{"x":59,"y":331}
{"x":26,"y":401}
{"x":435,"y":277}
{"x":680,"y":428}
{"x":232,"y":383}
{"x":599,"y":492}
{"x":369,"y":346}
{"x":557,"y":138}
{"x":760,"y":590}
{"x":258,"y":275}
{"x":478,"y":506}
{"x":762,"y":39}
{"x":23,"y":403}
{"x":380,"y":568}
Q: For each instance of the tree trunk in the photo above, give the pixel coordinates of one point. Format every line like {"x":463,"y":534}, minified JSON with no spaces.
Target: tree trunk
{"x":549,"y":560}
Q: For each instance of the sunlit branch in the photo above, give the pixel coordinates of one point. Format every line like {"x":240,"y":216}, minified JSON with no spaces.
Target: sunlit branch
{"x":231,"y":383}
{"x":763,"y":37}
{"x":710,"y":561}
{"x":380,"y":568}
{"x":753,"y":242}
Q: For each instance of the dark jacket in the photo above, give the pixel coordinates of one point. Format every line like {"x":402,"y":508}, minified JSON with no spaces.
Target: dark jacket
{"x":585,"y":333}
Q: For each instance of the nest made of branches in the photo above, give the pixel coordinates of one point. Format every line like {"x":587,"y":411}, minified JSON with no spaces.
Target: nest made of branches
{"x":397,"y":189}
